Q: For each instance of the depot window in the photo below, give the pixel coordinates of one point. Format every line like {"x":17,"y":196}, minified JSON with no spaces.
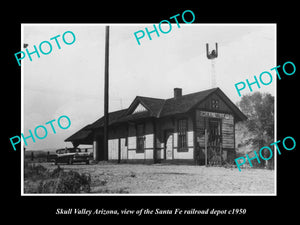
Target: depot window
{"x":140,"y":138}
{"x":214,"y":103}
{"x":182,"y":134}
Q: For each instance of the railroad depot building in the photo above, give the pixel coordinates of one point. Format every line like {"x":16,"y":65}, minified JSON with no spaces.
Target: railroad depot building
{"x":197,"y":128}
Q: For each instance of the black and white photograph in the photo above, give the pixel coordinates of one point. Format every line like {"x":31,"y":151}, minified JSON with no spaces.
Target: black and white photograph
{"x":129,"y":109}
{"x":123,"y":113}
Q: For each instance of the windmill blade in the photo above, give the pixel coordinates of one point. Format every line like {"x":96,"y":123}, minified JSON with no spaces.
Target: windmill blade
{"x":207,"y":52}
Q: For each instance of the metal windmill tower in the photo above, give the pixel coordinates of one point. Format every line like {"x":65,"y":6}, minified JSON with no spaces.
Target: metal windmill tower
{"x":212,"y":55}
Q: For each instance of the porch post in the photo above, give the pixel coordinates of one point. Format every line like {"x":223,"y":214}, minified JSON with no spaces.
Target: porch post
{"x":95,"y":154}
{"x":206,"y":136}
{"x":119,"y":150}
{"x":154,"y":142}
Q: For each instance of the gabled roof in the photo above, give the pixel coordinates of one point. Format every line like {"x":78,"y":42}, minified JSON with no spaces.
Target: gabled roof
{"x":112,"y":118}
{"x":184,"y":103}
{"x":81,"y":135}
{"x":153,"y":105}
{"x":239,"y":115}
{"x":158,"y":108}
{"x":84,"y":132}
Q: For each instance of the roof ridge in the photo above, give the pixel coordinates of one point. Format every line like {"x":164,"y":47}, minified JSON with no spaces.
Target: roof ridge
{"x":161,"y":108}
{"x":149,"y":97}
{"x":207,"y":90}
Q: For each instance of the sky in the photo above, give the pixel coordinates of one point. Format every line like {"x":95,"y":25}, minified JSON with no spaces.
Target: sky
{"x":70,"y":81}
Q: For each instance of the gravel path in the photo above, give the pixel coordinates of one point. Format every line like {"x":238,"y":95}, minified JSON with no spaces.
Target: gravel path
{"x":174,"y":179}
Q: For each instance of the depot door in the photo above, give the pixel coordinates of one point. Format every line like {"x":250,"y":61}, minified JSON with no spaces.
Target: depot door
{"x":214,"y":142}
{"x":168,"y":145}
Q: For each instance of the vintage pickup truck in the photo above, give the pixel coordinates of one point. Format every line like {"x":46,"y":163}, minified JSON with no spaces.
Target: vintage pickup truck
{"x":71,"y":155}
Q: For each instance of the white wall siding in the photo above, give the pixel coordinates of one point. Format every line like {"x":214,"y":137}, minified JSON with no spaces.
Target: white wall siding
{"x":148,"y":145}
{"x":139,"y":108}
{"x":123,"y":149}
{"x":149,"y":141}
{"x":184,"y":155}
{"x":148,"y":154}
{"x":190,"y":138}
{"x":175,"y":136}
{"x":131,"y":142}
{"x":129,"y":152}
{"x":133,"y":155}
{"x":113,"y":149}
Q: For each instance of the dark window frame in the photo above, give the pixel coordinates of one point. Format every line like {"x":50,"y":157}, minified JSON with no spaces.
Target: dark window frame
{"x":140,"y":138}
{"x":182,"y":135}
{"x":215,"y":103}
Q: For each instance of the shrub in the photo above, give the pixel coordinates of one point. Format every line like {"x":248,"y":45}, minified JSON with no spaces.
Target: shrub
{"x":34,"y":172}
{"x":40,"y":180}
{"x":73,"y":182}
{"x":56,"y":172}
{"x":65,"y":182}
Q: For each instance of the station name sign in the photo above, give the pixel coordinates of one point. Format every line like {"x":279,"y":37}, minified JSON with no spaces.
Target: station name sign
{"x":215,"y":115}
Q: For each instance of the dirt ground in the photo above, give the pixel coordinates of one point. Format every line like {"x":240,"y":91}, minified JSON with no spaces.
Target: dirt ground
{"x":173,"y":179}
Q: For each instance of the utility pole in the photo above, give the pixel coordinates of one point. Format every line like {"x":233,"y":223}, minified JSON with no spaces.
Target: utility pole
{"x":106,"y":79}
